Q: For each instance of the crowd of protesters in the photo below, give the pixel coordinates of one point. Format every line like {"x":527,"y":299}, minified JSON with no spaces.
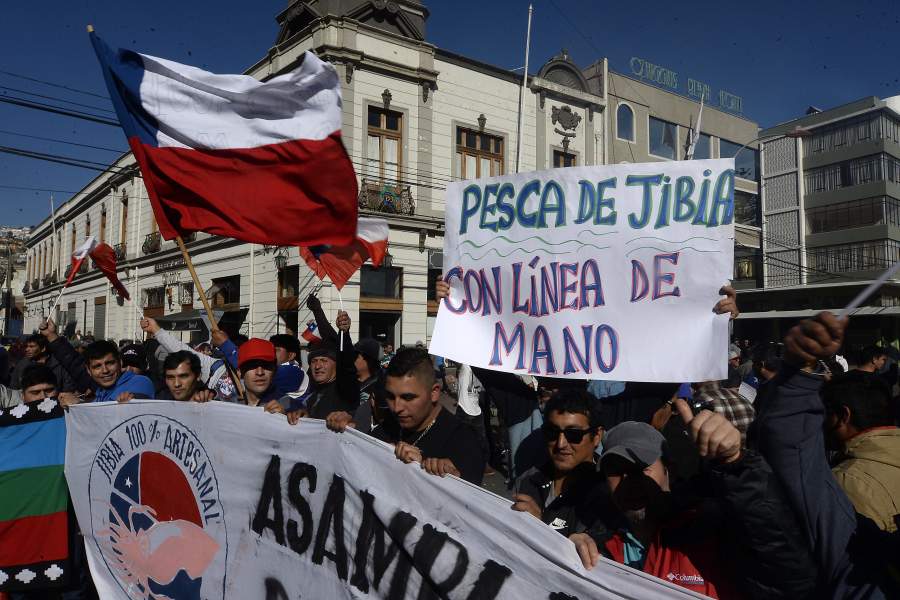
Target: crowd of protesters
{"x":782,"y":481}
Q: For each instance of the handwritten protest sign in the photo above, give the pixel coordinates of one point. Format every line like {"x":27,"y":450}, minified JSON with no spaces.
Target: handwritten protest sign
{"x":607,"y":272}
{"x":187,"y":501}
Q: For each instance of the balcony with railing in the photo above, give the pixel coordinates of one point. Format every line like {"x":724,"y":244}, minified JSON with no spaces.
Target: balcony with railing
{"x":152,"y":243}
{"x":190,"y":237}
{"x":120,"y":251}
{"x":47,"y":280}
{"x":36,"y":283}
{"x":386,"y":197}
{"x":84,"y":268}
{"x":26,"y":288}
{"x":68,"y":271}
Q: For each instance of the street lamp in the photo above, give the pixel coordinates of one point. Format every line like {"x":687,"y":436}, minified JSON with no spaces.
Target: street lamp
{"x":796,"y":132}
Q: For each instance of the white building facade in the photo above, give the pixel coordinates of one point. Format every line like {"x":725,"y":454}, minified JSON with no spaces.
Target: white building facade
{"x":415,"y":118}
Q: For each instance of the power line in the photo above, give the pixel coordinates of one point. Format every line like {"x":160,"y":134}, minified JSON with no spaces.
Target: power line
{"x":56,"y":85}
{"x":60,"y":159}
{"x":58,"y":110}
{"x":57,"y":99}
{"x":46,"y":139}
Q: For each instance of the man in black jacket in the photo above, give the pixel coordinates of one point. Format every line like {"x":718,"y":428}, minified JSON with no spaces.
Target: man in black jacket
{"x":37,"y":352}
{"x":420,"y":428}
{"x":566,"y":492}
{"x":333,"y":370}
{"x":857,"y":559}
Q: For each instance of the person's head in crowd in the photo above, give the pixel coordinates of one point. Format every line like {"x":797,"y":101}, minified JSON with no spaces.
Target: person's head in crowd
{"x":571,"y":429}
{"x":872,"y":359}
{"x":38,"y":382}
{"x":182,"y":374}
{"x":854,"y":402}
{"x":368,"y":358}
{"x":767,"y":359}
{"x":134,"y":358}
{"x":635,"y":464}
{"x":388,"y":348}
{"x":287,"y":348}
{"x":204,"y":348}
{"x":103,"y":362}
{"x":36,"y":348}
{"x":411,"y":389}
{"x":323,"y":362}
{"x":256,"y":362}
{"x":239,"y":339}
{"x":79,"y":346}
{"x":734,"y":356}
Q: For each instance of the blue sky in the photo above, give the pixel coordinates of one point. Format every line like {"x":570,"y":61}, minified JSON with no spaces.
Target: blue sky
{"x":780,"y":57}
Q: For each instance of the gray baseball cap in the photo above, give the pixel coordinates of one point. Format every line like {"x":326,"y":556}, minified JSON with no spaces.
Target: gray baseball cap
{"x":636,"y":442}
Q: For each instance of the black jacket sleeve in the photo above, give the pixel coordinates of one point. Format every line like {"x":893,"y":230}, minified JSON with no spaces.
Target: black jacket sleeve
{"x":792,"y":441}
{"x":326,"y":329}
{"x":72,"y":362}
{"x":347,"y":382}
{"x":766,"y":548}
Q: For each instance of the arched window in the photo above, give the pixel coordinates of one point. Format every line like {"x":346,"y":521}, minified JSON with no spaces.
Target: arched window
{"x":625,"y":123}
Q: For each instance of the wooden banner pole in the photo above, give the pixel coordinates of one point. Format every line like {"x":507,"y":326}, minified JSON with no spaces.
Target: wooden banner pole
{"x":209,"y":313}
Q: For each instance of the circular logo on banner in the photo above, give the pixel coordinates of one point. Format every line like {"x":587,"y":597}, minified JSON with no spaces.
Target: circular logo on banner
{"x":156,"y":515}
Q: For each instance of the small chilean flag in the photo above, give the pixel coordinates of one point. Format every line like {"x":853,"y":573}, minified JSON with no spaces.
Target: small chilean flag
{"x":339,"y":263}
{"x":311,"y":334}
{"x":105,"y":259}
{"x":261,"y":162}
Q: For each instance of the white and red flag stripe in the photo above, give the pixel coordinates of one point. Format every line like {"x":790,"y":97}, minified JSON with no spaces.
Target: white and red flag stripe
{"x":339,"y":263}
{"x":104,"y":257}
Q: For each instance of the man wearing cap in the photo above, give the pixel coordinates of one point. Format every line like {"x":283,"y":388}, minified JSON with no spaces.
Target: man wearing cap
{"x":745,"y":542}
{"x":257,"y":364}
{"x":134,"y":359}
{"x":333,"y":371}
{"x":289,"y":378}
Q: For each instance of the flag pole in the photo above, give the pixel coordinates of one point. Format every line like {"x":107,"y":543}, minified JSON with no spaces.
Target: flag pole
{"x":522,"y":90}
{"x":209,"y":313}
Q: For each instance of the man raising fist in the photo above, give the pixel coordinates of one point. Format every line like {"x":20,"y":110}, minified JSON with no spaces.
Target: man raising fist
{"x":693,"y":545}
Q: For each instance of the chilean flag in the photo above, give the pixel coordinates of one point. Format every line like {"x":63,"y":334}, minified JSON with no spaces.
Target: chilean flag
{"x":339,"y":263}
{"x":233,"y":156}
{"x":105,"y":259}
{"x":311,"y":334}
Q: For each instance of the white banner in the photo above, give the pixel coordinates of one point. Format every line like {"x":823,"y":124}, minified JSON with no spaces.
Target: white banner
{"x":607,"y":272}
{"x":208,"y":501}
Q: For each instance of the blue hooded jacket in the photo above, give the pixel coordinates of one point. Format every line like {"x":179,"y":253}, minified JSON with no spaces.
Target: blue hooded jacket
{"x":138,"y":385}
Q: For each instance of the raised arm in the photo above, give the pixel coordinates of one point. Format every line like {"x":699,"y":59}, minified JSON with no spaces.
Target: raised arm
{"x":66,"y":355}
{"x":170,"y":344}
{"x":326,"y":330}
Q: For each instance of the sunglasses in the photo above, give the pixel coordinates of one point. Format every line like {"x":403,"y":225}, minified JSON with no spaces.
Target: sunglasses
{"x":573,"y":436}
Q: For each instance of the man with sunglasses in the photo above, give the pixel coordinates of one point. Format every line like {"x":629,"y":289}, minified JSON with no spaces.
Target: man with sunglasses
{"x":566,"y":492}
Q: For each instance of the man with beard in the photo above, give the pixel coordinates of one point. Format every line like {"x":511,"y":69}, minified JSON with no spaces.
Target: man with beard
{"x":744,"y":541}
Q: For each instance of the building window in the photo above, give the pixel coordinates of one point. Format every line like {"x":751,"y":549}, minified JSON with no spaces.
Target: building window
{"x":746,"y":208}
{"x":843,"y":258}
{"x":384,"y":144}
{"x":746,"y":161}
{"x":225,"y":292}
{"x":154,"y":301}
{"x":384,"y":282}
{"x":856,"y":213}
{"x":625,"y":123}
{"x":851,"y":132}
{"x":663,"y":138}
{"x":72,"y":251}
{"x":87,"y":227}
{"x":880,"y":167}
{"x":564,"y":159}
{"x":103,"y":225}
{"x":748,"y":268}
{"x":123,"y":231}
{"x":703,"y":148}
{"x":478,"y":154}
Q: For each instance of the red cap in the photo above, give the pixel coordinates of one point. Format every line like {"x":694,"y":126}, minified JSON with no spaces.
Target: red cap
{"x":256,"y":349}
